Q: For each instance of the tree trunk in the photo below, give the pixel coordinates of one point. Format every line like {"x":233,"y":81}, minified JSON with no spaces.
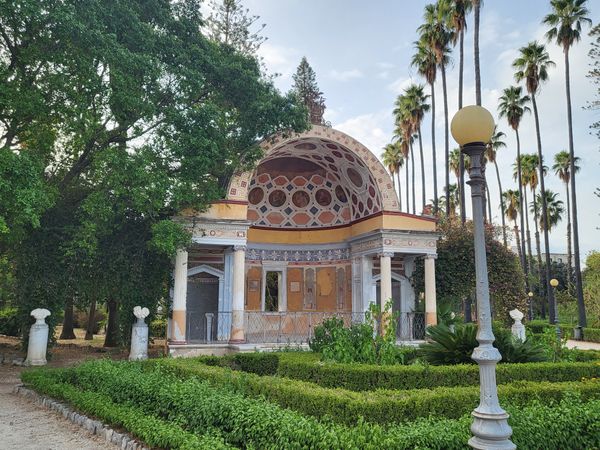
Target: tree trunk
{"x":529,"y":252}
{"x":461,"y":161}
{"x":501,"y":204}
{"x":446,"y":141}
{"x":489,"y":202}
{"x":549,"y":291}
{"x":407,"y":186}
{"x":112,"y":326}
{"x":521,"y":215}
{"x":399,"y":189}
{"x":582,"y":319}
{"x":516,"y":229}
{"x":91,"y":322}
{"x":435,"y":191}
{"x":412,"y":164}
{"x":476,"y":11}
{"x":423,"y":194}
{"x":67,"y":328}
{"x":569,"y":249}
{"x":537,"y":239}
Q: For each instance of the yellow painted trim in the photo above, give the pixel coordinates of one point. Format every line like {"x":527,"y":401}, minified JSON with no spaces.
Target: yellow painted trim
{"x":220,"y":211}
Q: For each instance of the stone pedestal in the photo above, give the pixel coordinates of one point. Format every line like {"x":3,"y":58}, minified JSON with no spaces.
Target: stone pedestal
{"x":139,"y":335}
{"x":38,"y":339}
{"x":518,"y":329}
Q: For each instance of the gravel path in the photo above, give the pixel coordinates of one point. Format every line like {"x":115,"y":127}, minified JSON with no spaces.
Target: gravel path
{"x":582,"y":345}
{"x":27,"y":426}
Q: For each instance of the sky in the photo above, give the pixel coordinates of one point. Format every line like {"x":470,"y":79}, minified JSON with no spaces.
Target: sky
{"x":361,"y":54}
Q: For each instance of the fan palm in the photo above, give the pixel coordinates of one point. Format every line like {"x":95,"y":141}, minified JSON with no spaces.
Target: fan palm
{"x":458,"y":20}
{"x":424,"y":60}
{"x":476,"y":13}
{"x":532,"y":66}
{"x":393,"y":160}
{"x":566,"y":20}
{"x":436,"y":32}
{"x":530,"y":172}
{"x":513,"y":105}
{"x":562,"y":168}
{"x":524,"y":163}
{"x":491,"y":152}
{"x":511,"y":206}
{"x":404,"y":133}
{"x":417,"y":106}
{"x":556,"y":209}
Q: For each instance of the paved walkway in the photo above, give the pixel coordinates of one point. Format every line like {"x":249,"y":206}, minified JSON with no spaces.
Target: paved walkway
{"x":27,"y":426}
{"x":583,"y":345}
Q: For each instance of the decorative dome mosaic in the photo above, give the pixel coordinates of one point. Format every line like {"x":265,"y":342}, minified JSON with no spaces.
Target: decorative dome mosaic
{"x":311,"y":183}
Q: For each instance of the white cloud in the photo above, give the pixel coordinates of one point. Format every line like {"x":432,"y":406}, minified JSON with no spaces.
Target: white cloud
{"x":371,"y":130}
{"x":345,"y":75}
{"x":281,"y":61}
{"x":400,"y":84}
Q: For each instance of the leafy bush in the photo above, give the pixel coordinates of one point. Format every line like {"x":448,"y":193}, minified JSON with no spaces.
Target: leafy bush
{"x":591,"y":334}
{"x":198,"y":408}
{"x":150,"y":429}
{"x":456,"y":347}
{"x":324,"y":333}
{"x":158,"y":328}
{"x":366,"y":377}
{"x":381,"y":406}
{"x":9,"y":322}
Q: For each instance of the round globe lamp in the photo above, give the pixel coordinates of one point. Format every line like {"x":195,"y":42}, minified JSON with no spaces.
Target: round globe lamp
{"x":554,"y":283}
{"x":472,"y":124}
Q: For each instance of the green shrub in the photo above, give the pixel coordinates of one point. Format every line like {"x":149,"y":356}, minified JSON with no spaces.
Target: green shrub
{"x":381,"y":406}
{"x":366,"y":377}
{"x":150,"y":429}
{"x":591,"y":334}
{"x":158,"y":328}
{"x":9,"y":322}
{"x":456,"y":347}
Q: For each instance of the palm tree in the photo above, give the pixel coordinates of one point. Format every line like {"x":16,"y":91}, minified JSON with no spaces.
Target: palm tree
{"x":566,"y":20}
{"x":524,"y":163}
{"x":532,"y":66}
{"x":556,"y":209}
{"x":562,"y":168}
{"x":417,"y":106}
{"x":425,"y":62}
{"x":495,"y":144}
{"x":393,"y":160}
{"x":404,"y":133}
{"x":458,"y":20}
{"x":436,"y":32}
{"x":476,"y":12}
{"x":511,"y":206}
{"x":513,"y":105}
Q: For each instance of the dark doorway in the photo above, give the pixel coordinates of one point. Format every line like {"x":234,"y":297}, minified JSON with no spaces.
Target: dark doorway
{"x":202,"y":307}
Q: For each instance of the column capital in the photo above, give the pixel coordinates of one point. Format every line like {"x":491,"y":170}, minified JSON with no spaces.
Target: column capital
{"x":385,"y":254}
{"x":239,"y":248}
{"x":430,"y":256}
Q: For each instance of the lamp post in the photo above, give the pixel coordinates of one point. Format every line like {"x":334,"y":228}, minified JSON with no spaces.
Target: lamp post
{"x":472,"y":127}
{"x":530,"y":294}
{"x":554,"y":318}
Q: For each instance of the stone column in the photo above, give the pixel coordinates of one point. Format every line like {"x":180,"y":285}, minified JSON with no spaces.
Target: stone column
{"x":239,"y":274}
{"x":430,"y":300}
{"x":178,"y":328}
{"x":385,"y":289}
{"x":38,"y":339}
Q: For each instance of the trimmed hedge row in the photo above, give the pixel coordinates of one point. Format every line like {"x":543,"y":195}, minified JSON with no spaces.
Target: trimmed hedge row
{"x":364,"y":377}
{"x":153,"y":431}
{"x":591,"y":334}
{"x":381,"y":406}
{"x":255,"y":423}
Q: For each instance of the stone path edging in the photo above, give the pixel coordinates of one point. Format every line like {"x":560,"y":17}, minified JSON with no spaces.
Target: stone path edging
{"x":120,"y":440}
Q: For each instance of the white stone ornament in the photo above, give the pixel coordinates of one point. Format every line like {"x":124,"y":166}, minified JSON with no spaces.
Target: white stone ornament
{"x":518,"y":329}
{"x":139,"y":335}
{"x":38,"y":339}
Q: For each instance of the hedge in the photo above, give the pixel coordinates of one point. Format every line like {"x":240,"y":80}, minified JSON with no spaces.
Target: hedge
{"x":381,"y":406}
{"x":258,"y":363}
{"x":364,"y":377}
{"x":591,"y":334}
{"x":152,"y":430}
{"x":9,"y":321}
{"x":255,"y":423}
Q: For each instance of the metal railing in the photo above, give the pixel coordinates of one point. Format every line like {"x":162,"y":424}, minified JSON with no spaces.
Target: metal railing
{"x":289,"y":327}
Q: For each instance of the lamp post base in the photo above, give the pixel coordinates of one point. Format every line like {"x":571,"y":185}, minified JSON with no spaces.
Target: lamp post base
{"x":491,"y":431}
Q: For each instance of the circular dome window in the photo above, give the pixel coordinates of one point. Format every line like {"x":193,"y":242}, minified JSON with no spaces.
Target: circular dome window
{"x":301,"y":199}
{"x":341,"y":194}
{"x":256,"y":195}
{"x":355,"y":177}
{"x":323,"y":197}
{"x":277,"y":198}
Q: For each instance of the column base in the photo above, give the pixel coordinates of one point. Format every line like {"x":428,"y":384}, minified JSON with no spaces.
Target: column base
{"x":236,"y":341}
{"x":430,"y":319}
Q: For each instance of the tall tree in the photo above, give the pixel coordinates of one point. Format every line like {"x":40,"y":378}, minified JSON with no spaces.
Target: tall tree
{"x":532,"y":66}
{"x":524,"y":183}
{"x":426,"y":64}
{"x":393,"y":160}
{"x":476,"y":14}
{"x":511,"y":205}
{"x":562,"y":168}
{"x":556,"y":209}
{"x":458,"y":19}
{"x":491,"y":153}
{"x":307,"y":91}
{"x":404,"y":133}
{"x":566,"y":21}
{"x":513,"y":105}
{"x":231,"y":24}
{"x":436,"y":32}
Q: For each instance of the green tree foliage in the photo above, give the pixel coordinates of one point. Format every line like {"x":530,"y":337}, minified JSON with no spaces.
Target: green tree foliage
{"x":455,"y":269}
{"x":115,"y":116}
{"x":591,"y":287}
{"x":307,"y":91}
